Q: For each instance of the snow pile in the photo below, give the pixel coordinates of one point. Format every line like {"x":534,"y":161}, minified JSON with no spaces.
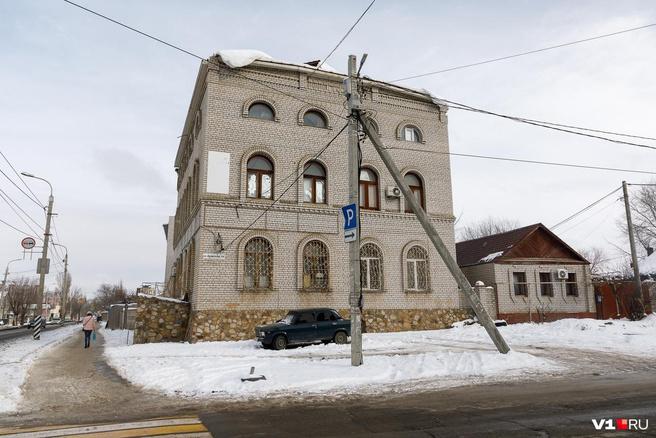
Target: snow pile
{"x":16,"y":357}
{"x":243,"y":57}
{"x":393,"y":362}
{"x":161,"y":298}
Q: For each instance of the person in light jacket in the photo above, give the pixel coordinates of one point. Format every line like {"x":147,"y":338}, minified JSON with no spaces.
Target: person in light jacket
{"x":88,"y":326}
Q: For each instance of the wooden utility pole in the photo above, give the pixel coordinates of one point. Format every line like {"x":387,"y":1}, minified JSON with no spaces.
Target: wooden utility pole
{"x":355,"y":295}
{"x":637,"y":294}
{"x":449,"y":261}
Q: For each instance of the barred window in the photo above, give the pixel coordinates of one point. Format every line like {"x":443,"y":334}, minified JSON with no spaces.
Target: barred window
{"x":315,"y":265}
{"x":371,"y":267}
{"x":417,"y":269}
{"x":258,"y":264}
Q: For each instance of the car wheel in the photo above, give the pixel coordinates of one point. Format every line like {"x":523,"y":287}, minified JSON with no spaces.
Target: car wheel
{"x":340,"y":338}
{"x":280,"y":342}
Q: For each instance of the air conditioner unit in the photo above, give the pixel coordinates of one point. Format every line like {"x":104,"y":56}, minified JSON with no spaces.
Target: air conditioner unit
{"x":393,"y":192}
{"x":562,"y":274}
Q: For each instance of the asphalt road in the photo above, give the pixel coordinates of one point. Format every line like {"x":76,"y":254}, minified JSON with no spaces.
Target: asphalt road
{"x":7,"y":334}
{"x":560,"y":407}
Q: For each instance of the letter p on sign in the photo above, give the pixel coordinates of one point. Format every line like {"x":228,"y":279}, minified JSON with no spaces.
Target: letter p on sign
{"x":350,"y":216}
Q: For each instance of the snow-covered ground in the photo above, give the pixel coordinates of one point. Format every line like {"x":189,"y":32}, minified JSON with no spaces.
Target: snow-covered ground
{"x":392,"y":361}
{"x":17,"y":355}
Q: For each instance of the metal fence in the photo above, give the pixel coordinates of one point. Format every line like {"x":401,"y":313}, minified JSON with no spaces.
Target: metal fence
{"x":116,"y":316}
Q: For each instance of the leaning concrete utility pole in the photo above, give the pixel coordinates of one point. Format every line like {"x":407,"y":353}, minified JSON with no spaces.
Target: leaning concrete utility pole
{"x":351,"y":91}
{"x":449,"y":261}
{"x":637,"y":294}
{"x":43,"y":265}
{"x":65,"y":285}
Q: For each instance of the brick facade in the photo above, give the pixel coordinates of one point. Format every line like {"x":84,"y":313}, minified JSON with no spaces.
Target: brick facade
{"x":207,"y":221}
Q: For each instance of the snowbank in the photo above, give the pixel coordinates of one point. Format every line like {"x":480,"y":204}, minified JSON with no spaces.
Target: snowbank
{"x":393,"y":362}
{"x":648,"y":265}
{"x":16,"y":357}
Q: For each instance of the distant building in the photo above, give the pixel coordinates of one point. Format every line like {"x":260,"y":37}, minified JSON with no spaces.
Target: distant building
{"x":243,"y":144}
{"x":535,"y":275}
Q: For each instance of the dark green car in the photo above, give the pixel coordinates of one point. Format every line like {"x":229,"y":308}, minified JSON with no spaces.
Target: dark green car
{"x":305,"y":326}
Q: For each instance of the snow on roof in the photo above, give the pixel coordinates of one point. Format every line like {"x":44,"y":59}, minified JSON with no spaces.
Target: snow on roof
{"x":648,"y":264}
{"x":243,"y":57}
{"x":488,"y":258}
{"x":161,"y":298}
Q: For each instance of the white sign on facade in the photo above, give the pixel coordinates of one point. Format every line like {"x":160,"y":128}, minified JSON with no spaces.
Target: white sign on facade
{"x":218,"y":172}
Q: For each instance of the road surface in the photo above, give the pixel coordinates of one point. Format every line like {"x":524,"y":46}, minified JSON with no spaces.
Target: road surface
{"x":8,"y":334}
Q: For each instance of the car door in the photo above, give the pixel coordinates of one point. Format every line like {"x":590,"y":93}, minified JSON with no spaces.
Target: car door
{"x":325,"y":326}
{"x":302,"y":329}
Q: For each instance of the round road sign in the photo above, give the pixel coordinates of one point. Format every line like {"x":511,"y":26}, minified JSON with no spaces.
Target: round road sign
{"x":28,"y":243}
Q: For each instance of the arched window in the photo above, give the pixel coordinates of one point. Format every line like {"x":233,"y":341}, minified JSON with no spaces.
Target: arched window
{"x":259,"y":177}
{"x":371,"y":267}
{"x":258,"y":264}
{"x":315,"y":118}
{"x":417,"y":273}
{"x":417,"y":188}
{"x":315,"y":265}
{"x":411,"y":133}
{"x":314,"y":183}
{"x":368,"y":189}
{"x":260,"y":110}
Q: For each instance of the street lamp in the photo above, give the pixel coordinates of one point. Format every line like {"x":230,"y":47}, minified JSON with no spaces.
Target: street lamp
{"x":42,"y":265}
{"x":65,"y":286}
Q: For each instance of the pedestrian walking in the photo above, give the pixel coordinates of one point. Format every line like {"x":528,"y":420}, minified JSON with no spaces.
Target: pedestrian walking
{"x":88,"y":326}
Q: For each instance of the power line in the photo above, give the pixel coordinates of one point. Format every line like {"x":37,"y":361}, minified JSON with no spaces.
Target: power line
{"x":18,"y":214}
{"x":20,"y":189}
{"x":544,"y":49}
{"x":346,"y":34}
{"x":548,"y":125}
{"x":587,"y":207}
{"x":198,"y":56}
{"x":36,"y":198}
{"x":17,"y":229}
{"x":275,"y":201}
{"x":6,"y":195}
{"x":601,"y":210}
{"x":520,"y":160}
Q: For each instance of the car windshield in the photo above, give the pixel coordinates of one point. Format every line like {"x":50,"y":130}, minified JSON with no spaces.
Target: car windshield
{"x":287,"y":319}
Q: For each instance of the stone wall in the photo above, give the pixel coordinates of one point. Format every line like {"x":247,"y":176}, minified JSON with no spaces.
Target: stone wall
{"x":160,"y":320}
{"x":223,"y":325}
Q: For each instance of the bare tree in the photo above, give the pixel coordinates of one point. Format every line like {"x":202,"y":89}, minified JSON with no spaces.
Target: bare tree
{"x":486,"y":227}
{"x":64,"y":290}
{"x":21,"y":294}
{"x":108,"y":294}
{"x":598,"y":259}
{"x":643,"y":213}
{"x":79,"y":303}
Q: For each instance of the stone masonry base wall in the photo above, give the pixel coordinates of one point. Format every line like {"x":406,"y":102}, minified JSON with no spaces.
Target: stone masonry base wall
{"x":514,"y":318}
{"x":160,"y":320}
{"x":223,"y":325}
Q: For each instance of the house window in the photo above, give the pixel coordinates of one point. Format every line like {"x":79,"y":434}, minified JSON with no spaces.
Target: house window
{"x":368,"y":189}
{"x":546,"y":285}
{"x":260,"y":177}
{"x":371,"y":267}
{"x":315,"y":265}
{"x":411,"y":133}
{"x":417,"y":188}
{"x":417,"y":269}
{"x":315,"y":118}
{"x":261,"y":110}
{"x":519,"y":283}
{"x":571,"y":286}
{"x":314,"y":183}
{"x":258,"y":264}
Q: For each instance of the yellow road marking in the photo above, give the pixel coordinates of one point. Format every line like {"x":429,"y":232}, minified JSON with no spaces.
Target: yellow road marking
{"x":146,"y":431}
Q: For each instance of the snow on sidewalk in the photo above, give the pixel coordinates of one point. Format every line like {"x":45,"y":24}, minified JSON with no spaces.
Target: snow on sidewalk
{"x":392,"y":361}
{"x":16,"y":357}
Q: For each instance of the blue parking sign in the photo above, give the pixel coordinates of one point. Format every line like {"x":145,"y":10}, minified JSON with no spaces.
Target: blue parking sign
{"x":350,"y":213}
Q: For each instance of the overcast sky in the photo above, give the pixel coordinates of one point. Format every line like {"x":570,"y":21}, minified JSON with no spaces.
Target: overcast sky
{"x":97,"y":109}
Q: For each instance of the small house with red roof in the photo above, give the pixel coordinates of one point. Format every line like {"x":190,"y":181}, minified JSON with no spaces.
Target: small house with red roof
{"x":535,"y":275}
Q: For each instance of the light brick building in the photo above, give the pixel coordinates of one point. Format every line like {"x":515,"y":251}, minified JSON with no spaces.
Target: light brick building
{"x":244,"y":143}
{"x":535,"y":275}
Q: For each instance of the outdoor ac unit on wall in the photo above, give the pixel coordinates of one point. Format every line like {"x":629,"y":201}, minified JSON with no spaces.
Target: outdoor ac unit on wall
{"x":562,"y":274}
{"x":393,"y":192}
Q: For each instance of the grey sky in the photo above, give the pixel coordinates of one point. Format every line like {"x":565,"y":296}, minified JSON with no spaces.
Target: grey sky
{"x":97,"y":109}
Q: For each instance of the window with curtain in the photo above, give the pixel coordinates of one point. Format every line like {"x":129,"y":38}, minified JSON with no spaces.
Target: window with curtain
{"x":258,"y":264}
{"x":259,"y":177}
{"x":371,"y":267}
{"x":314,"y":183}
{"x":315,"y":265}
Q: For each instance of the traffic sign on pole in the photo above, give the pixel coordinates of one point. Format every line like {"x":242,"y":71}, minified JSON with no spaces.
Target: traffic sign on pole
{"x":350,"y":213}
{"x":28,"y":242}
